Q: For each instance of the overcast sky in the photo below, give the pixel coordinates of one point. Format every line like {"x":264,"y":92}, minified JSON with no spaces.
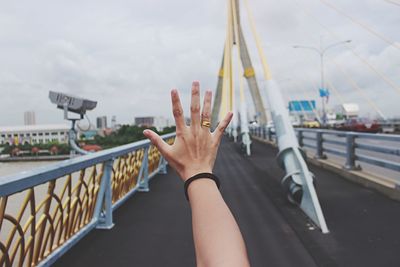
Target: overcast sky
{"x":128,"y":54}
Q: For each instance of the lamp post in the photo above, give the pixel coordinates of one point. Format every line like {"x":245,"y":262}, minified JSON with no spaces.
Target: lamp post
{"x":321,"y":51}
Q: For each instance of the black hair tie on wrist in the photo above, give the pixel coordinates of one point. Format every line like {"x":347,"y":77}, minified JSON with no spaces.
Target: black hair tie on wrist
{"x":200,"y":176}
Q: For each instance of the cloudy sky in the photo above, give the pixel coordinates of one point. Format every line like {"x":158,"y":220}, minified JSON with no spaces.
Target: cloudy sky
{"x":128,"y":54}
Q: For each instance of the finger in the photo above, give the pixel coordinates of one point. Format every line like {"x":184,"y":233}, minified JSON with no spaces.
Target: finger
{"x":206,"y":113}
{"x":195,"y":105}
{"x":177,"y":110}
{"x":157,"y":141}
{"x":219,"y":132}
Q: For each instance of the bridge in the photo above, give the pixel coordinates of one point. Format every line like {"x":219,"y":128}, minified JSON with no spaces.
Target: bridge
{"x":302,"y":197}
{"x":63,"y":212}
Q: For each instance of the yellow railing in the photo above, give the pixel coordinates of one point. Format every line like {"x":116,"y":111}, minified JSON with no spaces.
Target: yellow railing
{"x":43,"y":209}
{"x":40,"y":219}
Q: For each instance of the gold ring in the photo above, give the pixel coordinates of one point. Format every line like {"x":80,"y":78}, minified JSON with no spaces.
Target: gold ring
{"x":205,"y":123}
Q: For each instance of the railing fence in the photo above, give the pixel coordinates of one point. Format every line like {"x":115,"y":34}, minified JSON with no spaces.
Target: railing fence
{"x":381,"y":150}
{"x":45,"y":211}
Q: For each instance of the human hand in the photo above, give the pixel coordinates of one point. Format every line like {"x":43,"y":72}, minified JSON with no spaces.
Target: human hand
{"x":195,"y":147}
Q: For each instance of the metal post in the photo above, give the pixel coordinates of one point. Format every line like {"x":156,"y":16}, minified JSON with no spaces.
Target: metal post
{"x":321,"y":51}
{"x":351,"y":152}
{"x":269,"y":134}
{"x":162,"y":166}
{"x":144,"y":182}
{"x":300,"y":137}
{"x":264,"y":136}
{"x":322,"y":85}
{"x":105,"y":217}
{"x":244,"y":127}
{"x":320,"y":148}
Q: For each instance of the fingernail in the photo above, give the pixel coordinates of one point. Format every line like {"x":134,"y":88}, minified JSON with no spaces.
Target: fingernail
{"x":196,"y":83}
{"x":174,"y":91}
{"x":145,"y":132}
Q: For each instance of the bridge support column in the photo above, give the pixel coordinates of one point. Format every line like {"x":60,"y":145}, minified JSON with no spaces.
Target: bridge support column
{"x":143,"y":177}
{"x":351,"y":153}
{"x":264,"y":136}
{"x":298,"y":181}
{"x":269,"y":134}
{"x":320,"y":146}
{"x":104,"y":199}
{"x":163,"y":166}
{"x":300,"y":138}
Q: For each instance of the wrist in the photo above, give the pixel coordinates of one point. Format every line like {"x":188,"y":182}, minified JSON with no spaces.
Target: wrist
{"x":193,"y":171}
{"x":199,"y":180}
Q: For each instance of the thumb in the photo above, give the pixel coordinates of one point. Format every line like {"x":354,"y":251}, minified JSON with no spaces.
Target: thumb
{"x":157,"y":141}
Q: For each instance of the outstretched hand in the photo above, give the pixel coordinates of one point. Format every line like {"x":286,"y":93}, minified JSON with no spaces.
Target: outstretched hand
{"x":195,"y":147}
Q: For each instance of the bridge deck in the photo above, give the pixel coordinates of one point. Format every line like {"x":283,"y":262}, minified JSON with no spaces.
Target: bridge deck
{"x":154,"y":229}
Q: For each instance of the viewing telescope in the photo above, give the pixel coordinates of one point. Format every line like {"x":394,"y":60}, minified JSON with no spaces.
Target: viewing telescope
{"x":78,"y":105}
{"x":72,"y":103}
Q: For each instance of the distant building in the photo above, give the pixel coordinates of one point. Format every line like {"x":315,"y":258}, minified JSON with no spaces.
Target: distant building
{"x":113,"y":122}
{"x":348,"y":110}
{"x":144,"y":121}
{"x":29,"y":118}
{"x":34,"y":134}
{"x":101,"y":122}
{"x":158,"y":122}
{"x":88,"y":135}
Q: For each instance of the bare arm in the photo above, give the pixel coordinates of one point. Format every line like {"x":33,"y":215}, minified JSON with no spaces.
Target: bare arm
{"x":217,"y":237}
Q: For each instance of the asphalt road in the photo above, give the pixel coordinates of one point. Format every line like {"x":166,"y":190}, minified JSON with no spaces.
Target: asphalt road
{"x":154,"y":229}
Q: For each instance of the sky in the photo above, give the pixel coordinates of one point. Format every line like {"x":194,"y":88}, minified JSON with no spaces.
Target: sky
{"x":128,"y":54}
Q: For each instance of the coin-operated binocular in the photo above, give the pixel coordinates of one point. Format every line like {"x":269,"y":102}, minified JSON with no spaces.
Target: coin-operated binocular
{"x":76,"y":105}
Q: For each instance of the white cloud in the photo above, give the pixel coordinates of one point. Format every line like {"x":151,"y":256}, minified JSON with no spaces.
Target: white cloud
{"x":128,"y":54}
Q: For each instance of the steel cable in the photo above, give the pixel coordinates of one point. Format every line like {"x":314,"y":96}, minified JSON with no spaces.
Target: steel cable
{"x":357,"y":87}
{"x":364,"y":61}
{"x":362,"y":25}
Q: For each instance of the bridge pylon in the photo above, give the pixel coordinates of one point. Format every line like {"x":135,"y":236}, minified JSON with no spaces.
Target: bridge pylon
{"x":298,"y":181}
{"x":235,"y":35}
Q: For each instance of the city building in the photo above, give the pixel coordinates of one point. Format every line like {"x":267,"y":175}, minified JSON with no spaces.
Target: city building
{"x":113,"y":122}
{"x":29,"y":118}
{"x":34,"y":134}
{"x":348,"y":110}
{"x":101,"y":122}
{"x":158,"y":122}
{"x":88,"y":135}
{"x":144,"y":121}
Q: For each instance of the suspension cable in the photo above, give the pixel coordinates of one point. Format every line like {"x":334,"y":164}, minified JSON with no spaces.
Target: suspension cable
{"x":354,"y":52}
{"x":362,"y":25}
{"x":355,"y":86}
{"x":335,"y":91}
{"x":267,"y":72}
{"x":393,"y":2}
{"x":358,"y":90}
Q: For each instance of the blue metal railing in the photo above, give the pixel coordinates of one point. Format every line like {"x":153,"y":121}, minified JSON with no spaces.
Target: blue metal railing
{"x":352,"y":146}
{"x":77,"y":195}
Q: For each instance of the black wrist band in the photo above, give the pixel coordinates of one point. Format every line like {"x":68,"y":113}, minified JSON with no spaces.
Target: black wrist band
{"x":200,"y":176}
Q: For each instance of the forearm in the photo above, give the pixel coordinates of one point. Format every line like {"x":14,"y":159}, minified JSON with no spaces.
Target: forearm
{"x":217,"y":237}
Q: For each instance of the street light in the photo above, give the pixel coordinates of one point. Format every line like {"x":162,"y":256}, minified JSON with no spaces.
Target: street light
{"x":321,"y":51}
